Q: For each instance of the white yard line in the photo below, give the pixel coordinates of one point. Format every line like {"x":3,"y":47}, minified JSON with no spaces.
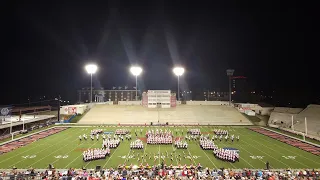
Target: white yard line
{"x":223,"y":143}
{"x":191,"y":157}
{"x":33,"y":148}
{"x":244,"y":159}
{"x":110,"y":157}
{"x":277,"y":152}
{"x":175,"y":154}
{"x":206,"y":154}
{"x":209,"y":158}
{"x":159,"y":154}
{"x":127,"y":156}
{"x":144,"y":150}
{"x":267,"y":154}
{"x":81,"y":154}
{"x":70,"y":152}
{"x":293,"y":152}
{"x":35,"y":154}
{"x":50,"y":153}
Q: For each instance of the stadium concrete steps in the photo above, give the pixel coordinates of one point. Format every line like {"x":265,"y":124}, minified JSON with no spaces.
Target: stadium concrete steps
{"x":182,"y":114}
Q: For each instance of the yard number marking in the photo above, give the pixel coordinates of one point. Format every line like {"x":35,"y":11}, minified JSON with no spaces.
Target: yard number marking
{"x":192,"y":157}
{"x":289,"y":157}
{"x":257,"y":157}
{"x":61,"y":156}
{"x":29,"y":157}
{"x":127,"y":157}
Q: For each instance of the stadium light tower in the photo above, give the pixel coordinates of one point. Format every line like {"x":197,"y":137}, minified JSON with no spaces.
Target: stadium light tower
{"x":136,"y":71}
{"x":91,"y":69}
{"x":178,"y":71}
{"x":230,"y":74}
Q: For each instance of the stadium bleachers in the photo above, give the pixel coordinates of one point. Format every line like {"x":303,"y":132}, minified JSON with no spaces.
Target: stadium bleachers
{"x":283,"y":118}
{"x":183,"y":114}
{"x":312,"y":113}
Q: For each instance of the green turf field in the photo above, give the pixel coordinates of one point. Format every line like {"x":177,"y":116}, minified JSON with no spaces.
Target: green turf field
{"x":64,"y":150}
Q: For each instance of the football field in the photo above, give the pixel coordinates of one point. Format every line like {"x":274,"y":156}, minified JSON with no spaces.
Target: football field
{"x":64,"y":150}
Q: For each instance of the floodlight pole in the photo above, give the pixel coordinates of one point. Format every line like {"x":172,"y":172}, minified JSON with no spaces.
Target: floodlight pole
{"x":178,"y":87}
{"x":306,"y":127}
{"x":59,"y":108}
{"x":136,"y":87}
{"x":91,"y":89}
{"x":10,"y":125}
{"x":230,"y":74}
{"x":229,"y":90}
{"x":292,"y":123}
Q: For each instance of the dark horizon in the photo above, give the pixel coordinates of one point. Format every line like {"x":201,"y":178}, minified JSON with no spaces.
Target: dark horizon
{"x":47,"y":46}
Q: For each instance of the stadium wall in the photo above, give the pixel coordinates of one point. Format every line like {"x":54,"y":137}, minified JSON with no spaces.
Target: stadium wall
{"x":263,"y":110}
{"x":278,"y":117}
{"x":287,"y":110}
{"x":72,"y":109}
{"x":130,"y":103}
{"x":207,"y":103}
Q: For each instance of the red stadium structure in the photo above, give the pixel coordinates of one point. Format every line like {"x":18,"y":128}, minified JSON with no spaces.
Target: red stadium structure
{"x":29,"y":110}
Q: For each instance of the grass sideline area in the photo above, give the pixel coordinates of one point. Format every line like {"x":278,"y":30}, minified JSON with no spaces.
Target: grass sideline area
{"x":64,"y":150}
{"x":78,"y":117}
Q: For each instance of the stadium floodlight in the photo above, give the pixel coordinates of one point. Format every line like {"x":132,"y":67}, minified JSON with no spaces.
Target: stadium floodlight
{"x":178,"y":71}
{"x":91,"y":69}
{"x":230,"y":74}
{"x":136,"y":71}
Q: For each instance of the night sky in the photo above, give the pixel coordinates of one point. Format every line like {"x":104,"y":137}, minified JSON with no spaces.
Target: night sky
{"x":46,"y":45}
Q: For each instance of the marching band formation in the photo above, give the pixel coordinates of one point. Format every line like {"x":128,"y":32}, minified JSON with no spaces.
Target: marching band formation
{"x":207,"y":144}
{"x":226,"y":155}
{"x":220,"y":132}
{"x":194,"y":131}
{"x":94,"y":154}
{"x":137,"y":144}
{"x":96,"y":131}
{"x":179,"y":144}
{"x":159,"y":136}
{"x":122,"y":131}
{"x":111,"y":143}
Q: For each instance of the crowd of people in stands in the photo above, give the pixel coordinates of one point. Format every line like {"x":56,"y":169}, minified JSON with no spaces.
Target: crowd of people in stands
{"x":159,"y":136}
{"x":226,"y":155}
{"x":179,"y":144}
{"x":94,"y":154}
{"x":220,"y":132}
{"x":160,"y":173}
{"x":137,"y":144}
{"x":122,"y":131}
{"x":194,"y":131}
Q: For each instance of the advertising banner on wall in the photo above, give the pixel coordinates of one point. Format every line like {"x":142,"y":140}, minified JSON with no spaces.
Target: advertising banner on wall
{"x":72,"y":110}
{"x":5,"y":113}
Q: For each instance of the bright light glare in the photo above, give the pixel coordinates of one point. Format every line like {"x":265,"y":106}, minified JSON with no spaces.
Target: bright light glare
{"x":136,"y":70}
{"x":178,"y":71}
{"x":91,"y":68}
